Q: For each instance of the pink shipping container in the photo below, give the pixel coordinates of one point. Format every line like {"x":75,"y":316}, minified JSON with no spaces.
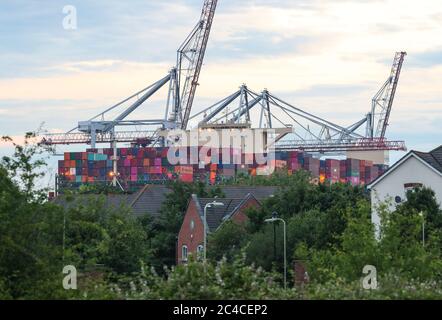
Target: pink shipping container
{"x":354,"y":181}
{"x":294,"y":165}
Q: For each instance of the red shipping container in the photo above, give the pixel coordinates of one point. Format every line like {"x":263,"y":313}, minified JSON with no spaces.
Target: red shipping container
{"x":155,"y":170}
{"x":186,"y":178}
{"x":293,"y":154}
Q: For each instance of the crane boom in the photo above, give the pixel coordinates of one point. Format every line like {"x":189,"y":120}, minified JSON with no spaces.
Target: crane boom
{"x":190,"y":60}
{"x":385,"y":97}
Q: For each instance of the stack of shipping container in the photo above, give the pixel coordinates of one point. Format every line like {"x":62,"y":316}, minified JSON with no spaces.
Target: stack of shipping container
{"x":140,"y":166}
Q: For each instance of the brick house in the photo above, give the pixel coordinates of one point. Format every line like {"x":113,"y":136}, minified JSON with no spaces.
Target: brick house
{"x":191,"y":235}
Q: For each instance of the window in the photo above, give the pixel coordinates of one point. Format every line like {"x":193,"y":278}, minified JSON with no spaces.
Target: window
{"x":184,"y":253}
{"x":412,"y":186}
{"x":200,"y":251}
{"x":192,"y":224}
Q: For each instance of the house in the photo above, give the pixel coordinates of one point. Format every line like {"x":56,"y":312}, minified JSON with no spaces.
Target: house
{"x":191,"y":235}
{"x":416,"y":169}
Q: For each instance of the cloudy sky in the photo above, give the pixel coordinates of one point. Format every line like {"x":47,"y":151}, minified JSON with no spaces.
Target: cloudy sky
{"x":327,"y":56}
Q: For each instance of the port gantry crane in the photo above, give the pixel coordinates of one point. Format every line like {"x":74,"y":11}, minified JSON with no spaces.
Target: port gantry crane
{"x":183,"y":82}
{"x":308,"y":132}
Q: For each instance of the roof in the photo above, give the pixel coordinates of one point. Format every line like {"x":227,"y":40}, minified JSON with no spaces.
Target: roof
{"x":146,"y":201}
{"x":432,"y":159}
{"x":259,"y":192}
{"x":151,"y":197}
{"x":217,"y":215}
{"x":111,"y":200}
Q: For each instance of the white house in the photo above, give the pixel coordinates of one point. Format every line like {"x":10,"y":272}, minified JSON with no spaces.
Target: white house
{"x":413,"y":170}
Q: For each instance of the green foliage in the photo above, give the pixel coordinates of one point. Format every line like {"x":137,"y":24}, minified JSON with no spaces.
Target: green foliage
{"x":199,"y":281}
{"x":97,"y":234}
{"x":423,"y":200}
{"x":399,"y":251}
{"x":226,"y":241}
{"x":316,"y":216}
{"x":261,"y":247}
{"x":26,"y":165}
{"x":32,"y":233}
{"x":100,"y":188}
{"x":309,"y":228}
{"x":391,"y":287}
{"x":30,"y":241}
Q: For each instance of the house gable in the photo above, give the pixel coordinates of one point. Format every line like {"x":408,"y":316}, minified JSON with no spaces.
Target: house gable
{"x":398,"y":164}
{"x":191,"y":232}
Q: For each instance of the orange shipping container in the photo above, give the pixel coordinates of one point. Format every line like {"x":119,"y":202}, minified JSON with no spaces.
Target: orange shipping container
{"x":253,"y":172}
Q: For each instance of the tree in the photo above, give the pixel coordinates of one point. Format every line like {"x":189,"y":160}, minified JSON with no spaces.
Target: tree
{"x":27,"y":164}
{"x":226,"y":241}
{"x":30,"y":229}
{"x":97,"y":234}
{"x":423,"y":200}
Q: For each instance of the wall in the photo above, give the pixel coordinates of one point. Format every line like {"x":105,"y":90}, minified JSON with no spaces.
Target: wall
{"x":240,"y":217}
{"x":378,"y":157}
{"x":188,"y":236}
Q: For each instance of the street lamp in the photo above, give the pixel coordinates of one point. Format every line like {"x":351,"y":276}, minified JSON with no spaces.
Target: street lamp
{"x":209,"y":205}
{"x":421,"y":214}
{"x":273,"y":220}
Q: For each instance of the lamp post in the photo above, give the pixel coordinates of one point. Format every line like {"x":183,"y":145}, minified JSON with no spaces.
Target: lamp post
{"x":273,"y":220}
{"x":423,"y":228}
{"x":209,"y":205}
